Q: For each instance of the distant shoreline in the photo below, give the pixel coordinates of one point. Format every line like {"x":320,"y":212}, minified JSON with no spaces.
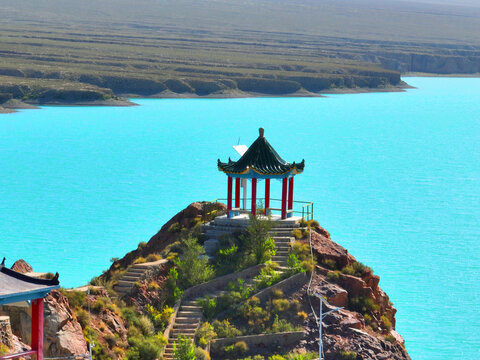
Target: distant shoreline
{"x":419,"y":74}
{"x":14,"y":105}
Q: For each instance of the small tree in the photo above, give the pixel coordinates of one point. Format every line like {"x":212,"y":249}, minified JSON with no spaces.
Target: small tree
{"x":257,"y":241}
{"x":193,"y":266}
{"x":183,"y":349}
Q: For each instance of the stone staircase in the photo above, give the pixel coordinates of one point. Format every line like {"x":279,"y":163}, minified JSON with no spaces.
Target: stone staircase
{"x":134,"y":274}
{"x":186,"y":323}
{"x":189,"y":316}
{"x":282,"y":247}
{"x":222,"y":225}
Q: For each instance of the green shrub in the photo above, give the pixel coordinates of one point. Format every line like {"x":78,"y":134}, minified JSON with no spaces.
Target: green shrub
{"x":281,"y":325}
{"x":276,"y":357}
{"x":183,"y":349}
{"x":193,"y":268}
{"x":280,"y":305}
{"x":209,"y":307}
{"x":201,"y":354}
{"x":359,"y":268}
{"x":293,"y":262}
{"x":256,"y":317}
{"x":131,"y":316}
{"x":362,"y":304}
{"x":76,"y":299}
{"x":83,"y":317}
{"x":160,"y":318}
{"x":140,"y":260}
{"x":224,"y":329}
{"x":228,"y":259}
{"x":313,"y":223}
{"x":301,"y":250}
{"x":99,"y":305}
{"x":329,"y":264}
{"x":268,"y":276}
{"x":142,"y":245}
{"x":302,"y":315}
{"x":298,"y":234}
{"x":153,"y":257}
{"x":237,"y":349}
{"x":347,"y":355}
{"x":227,"y":300}
{"x":111,"y":340}
{"x":390,"y":338}
{"x":277,"y":294}
{"x":145,"y":325}
{"x":386,"y":323}
{"x":176,"y":228}
{"x":145,"y":348}
{"x":174,"y":291}
{"x":334,"y":276}
{"x":301,"y":356}
{"x":256,"y":240}
{"x":240,"y":287}
{"x":204,"y":335}
{"x":348,"y":270}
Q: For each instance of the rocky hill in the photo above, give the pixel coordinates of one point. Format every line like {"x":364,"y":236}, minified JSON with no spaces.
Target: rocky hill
{"x":245,"y":310}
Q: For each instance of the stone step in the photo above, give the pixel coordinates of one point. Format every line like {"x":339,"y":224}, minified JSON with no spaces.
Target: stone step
{"x":189,"y":314}
{"x":131,"y":278}
{"x":126,"y":283}
{"x":190,"y":302}
{"x":192,"y":308}
{"x":135,"y":271}
{"x":191,"y":325}
{"x":184,"y":333}
{"x":186,"y":320}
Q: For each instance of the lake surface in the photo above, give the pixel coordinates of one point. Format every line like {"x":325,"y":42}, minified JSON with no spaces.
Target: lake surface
{"x":395,"y":178}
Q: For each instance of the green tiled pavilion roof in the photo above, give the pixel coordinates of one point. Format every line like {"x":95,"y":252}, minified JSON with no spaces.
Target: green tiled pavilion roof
{"x":262,"y":158}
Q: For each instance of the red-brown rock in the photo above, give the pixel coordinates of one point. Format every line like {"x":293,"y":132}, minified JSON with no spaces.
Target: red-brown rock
{"x":63,"y":334}
{"x":22,"y":267}
{"x":354,"y":285}
{"x":326,"y":249}
{"x":335,"y":294}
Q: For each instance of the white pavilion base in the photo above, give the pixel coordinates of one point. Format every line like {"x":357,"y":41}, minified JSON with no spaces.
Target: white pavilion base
{"x":244,"y":219}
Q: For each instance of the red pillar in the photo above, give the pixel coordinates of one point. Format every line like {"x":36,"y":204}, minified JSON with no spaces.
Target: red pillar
{"x":229,"y":196}
{"x":284,"y":198}
{"x":37,"y":327}
{"x":237,"y":193}
{"x":254,"y":196}
{"x":267,"y":195}
{"x":290,"y":193}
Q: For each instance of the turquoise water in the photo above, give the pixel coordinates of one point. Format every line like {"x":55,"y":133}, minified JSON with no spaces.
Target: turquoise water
{"x":395,"y":178}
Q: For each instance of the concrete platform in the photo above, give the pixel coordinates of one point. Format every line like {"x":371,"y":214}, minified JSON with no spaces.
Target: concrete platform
{"x":242,"y":219}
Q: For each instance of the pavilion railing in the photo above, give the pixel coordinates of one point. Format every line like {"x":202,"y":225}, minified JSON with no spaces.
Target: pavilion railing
{"x":303,"y":209}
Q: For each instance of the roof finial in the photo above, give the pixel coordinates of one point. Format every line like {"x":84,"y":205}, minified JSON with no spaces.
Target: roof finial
{"x":3,"y":262}
{"x":261,"y":131}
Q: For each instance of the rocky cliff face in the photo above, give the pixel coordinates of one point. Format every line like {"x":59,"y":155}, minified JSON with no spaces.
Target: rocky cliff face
{"x":62,"y":334}
{"x":365,"y":328}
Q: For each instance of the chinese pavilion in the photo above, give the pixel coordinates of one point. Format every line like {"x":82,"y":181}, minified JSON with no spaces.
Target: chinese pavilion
{"x":261,"y":161}
{"x":17,"y":288}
